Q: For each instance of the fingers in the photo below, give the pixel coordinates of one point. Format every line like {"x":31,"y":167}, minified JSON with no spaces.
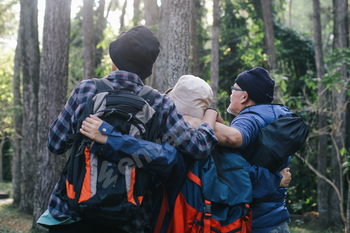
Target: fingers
{"x":92,"y":122}
{"x":219,"y":119}
{"x":85,"y":133}
{"x":95,"y":118}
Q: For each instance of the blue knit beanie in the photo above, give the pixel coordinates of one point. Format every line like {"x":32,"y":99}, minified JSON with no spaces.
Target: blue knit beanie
{"x":258,"y":83}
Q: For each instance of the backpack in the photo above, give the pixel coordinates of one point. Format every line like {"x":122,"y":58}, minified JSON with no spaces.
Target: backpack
{"x":99,"y":190}
{"x":277,"y":141}
{"x":207,"y":202}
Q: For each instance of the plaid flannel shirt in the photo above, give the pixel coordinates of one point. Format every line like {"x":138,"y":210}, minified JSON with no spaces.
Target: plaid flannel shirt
{"x":173,"y":128}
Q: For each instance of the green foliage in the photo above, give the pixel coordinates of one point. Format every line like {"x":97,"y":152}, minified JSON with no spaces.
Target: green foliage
{"x":295,"y":55}
{"x":6,"y":187}
{"x":8,"y":20}
{"x":335,"y":61}
{"x":76,"y":55}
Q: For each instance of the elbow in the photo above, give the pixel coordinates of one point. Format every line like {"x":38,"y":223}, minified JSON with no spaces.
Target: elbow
{"x":231,"y":142}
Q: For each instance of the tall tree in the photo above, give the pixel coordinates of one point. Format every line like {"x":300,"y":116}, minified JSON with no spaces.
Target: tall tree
{"x":322,"y":123}
{"x":123,"y":16}
{"x":214,"y":65}
{"x":151,"y":14}
{"x":175,"y":38}
{"x":17,"y":102}
{"x":152,"y":21}
{"x":88,"y":39}
{"x":194,"y":39}
{"x":30,"y":76}
{"x":52,"y":97}
{"x":100,"y":26}
{"x":137,"y":12}
{"x":290,"y":14}
{"x":339,"y":98}
{"x":269,"y":33}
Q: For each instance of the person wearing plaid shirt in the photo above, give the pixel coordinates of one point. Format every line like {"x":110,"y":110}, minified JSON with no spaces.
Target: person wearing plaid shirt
{"x":133,"y":54}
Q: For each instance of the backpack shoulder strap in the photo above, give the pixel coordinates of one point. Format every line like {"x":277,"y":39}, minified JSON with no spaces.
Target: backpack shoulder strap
{"x":103,"y":84}
{"x":149,"y":94}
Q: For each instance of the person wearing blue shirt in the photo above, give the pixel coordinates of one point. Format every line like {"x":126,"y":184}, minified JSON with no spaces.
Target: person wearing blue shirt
{"x":251,"y":98}
{"x":266,"y":185}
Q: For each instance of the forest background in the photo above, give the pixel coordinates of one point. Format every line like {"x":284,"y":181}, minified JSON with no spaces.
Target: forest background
{"x":304,"y":44}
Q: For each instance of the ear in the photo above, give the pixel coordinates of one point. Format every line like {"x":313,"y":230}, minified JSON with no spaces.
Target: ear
{"x":244,"y":97}
{"x":114,"y":67}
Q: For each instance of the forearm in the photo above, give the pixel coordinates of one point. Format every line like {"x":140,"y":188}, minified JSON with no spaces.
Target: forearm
{"x":198,"y":143}
{"x":160,"y":160}
{"x":228,"y":136}
{"x":118,"y":146}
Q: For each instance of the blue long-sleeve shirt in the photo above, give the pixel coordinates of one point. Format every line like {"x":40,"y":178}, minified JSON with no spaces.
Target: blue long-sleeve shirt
{"x":268,"y":211}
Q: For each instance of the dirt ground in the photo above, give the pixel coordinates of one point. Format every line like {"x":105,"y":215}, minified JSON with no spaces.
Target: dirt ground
{"x":13,"y":220}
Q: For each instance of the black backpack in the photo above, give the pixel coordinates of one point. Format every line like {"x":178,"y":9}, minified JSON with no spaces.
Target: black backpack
{"x":277,"y":141}
{"x":99,"y":190}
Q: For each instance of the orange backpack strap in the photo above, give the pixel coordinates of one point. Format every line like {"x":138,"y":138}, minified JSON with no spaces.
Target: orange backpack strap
{"x":163,"y":210}
{"x":207,"y":216}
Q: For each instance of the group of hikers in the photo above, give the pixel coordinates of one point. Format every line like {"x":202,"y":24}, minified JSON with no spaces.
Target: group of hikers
{"x":186,"y":131}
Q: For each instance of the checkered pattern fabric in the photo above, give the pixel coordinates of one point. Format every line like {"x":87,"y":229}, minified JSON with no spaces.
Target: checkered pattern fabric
{"x":173,"y":128}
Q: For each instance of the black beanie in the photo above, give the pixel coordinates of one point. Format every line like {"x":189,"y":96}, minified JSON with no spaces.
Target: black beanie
{"x":135,"y":51}
{"x":258,"y":83}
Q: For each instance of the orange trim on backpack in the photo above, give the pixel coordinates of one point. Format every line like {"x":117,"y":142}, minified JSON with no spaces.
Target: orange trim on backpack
{"x":86,"y":188}
{"x":194,"y":178}
{"x":132,"y":183}
{"x":140,"y":199}
{"x":207,"y":217}
{"x":163,"y":210}
{"x":183,"y":216}
{"x":70,"y":190}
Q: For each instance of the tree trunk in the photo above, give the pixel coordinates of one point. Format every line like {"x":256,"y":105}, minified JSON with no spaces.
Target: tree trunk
{"x":151,"y":14}
{"x":290,"y":14}
{"x":88,"y":39}
{"x":122,"y":17}
{"x":30,"y":76}
{"x":17,"y":102}
{"x":175,"y":29}
{"x":52,"y":97}
{"x":214,"y":65}
{"x":348,"y":206}
{"x":2,"y":142}
{"x":269,"y":34}
{"x":99,"y":28}
{"x":322,"y":123}
{"x":339,"y":113}
{"x":137,"y":12}
{"x":152,"y":21}
{"x":194,"y":40}
{"x":161,"y":64}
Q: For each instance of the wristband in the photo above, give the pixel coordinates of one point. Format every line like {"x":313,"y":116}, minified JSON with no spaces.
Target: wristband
{"x":212,"y":109}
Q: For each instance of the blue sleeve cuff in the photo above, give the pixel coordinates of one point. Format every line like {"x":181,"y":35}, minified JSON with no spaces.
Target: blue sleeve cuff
{"x":106,"y":128}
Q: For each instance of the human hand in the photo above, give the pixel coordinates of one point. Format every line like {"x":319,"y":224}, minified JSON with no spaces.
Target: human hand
{"x":287,"y":177}
{"x":219,"y":119}
{"x":90,"y":129}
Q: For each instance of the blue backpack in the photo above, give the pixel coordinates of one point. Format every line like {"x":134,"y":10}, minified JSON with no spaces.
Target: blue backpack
{"x":210,"y":202}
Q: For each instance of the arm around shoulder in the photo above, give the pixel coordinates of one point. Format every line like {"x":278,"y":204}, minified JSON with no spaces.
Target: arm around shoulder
{"x":228,"y":136}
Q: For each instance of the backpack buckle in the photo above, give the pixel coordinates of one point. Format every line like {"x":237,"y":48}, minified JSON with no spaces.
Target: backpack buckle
{"x":246,"y":212}
{"x":207,"y":209}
